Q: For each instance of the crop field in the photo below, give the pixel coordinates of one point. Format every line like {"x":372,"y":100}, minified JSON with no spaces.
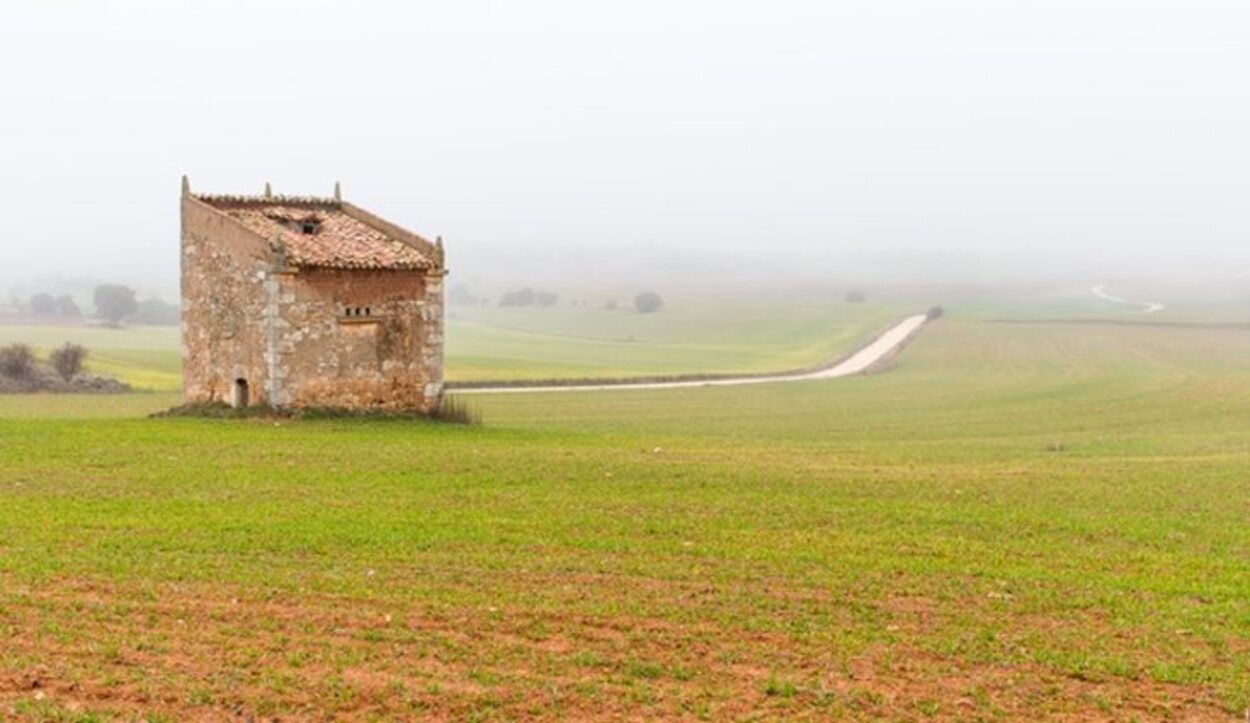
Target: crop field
{"x":728,"y":336}
{"x":491,"y":344}
{"x":145,"y":357}
{"x":1018,"y":521}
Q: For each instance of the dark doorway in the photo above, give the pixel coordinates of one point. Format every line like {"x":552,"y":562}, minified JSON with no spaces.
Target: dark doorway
{"x":240,"y":398}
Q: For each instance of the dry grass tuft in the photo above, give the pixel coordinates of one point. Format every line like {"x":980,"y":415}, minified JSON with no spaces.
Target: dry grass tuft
{"x":454,"y":410}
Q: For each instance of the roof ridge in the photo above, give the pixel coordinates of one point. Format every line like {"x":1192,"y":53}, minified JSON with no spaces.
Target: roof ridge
{"x":273,"y":200}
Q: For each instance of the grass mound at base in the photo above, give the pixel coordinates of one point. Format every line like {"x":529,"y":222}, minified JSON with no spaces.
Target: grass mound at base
{"x":450,"y":411}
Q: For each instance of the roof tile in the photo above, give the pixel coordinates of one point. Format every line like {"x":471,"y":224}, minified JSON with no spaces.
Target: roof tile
{"x":318,"y":234}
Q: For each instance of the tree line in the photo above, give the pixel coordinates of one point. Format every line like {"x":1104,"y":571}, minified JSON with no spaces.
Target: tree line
{"x":114,"y":303}
{"x":646,"y":302}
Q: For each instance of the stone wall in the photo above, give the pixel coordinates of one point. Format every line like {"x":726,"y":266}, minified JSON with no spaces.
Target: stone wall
{"x":223,"y":312}
{"x":388,"y":355}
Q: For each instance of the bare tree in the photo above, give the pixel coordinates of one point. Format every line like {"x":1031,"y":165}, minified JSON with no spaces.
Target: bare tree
{"x":17,"y":361}
{"x":68,"y":359}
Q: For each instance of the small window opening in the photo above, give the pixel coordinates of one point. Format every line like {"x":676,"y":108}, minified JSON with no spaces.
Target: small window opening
{"x":240,"y":399}
{"x":309,"y":226}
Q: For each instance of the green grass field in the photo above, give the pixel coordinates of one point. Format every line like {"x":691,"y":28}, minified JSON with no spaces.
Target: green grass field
{"x":145,"y":357}
{"x":694,"y":337}
{"x":1020,"y":521}
{"x":491,"y":344}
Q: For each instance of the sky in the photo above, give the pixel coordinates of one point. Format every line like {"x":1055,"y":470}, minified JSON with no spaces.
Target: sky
{"x":797,"y":141}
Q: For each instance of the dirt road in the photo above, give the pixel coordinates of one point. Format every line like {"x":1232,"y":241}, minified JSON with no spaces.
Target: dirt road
{"x":1148,"y":307}
{"x":858,"y":362}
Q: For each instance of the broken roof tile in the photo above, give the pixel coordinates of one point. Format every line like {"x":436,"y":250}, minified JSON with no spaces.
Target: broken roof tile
{"x":317,"y":233}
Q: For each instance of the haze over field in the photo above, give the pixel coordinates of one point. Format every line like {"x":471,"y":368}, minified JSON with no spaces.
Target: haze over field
{"x":706,"y":142}
{"x":800,"y":360}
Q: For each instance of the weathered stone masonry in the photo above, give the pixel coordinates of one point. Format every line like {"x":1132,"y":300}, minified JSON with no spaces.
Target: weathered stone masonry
{"x":308,"y":302}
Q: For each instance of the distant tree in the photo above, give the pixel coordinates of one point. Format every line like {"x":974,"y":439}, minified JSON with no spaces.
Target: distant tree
{"x":68,"y":359}
{"x":66,"y":306}
{"x":115,"y":302}
{"x":610,"y":304}
{"x":648,"y":302}
{"x":17,"y":361}
{"x":546,"y":298}
{"x":520,"y":297}
{"x":935,"y":313}
{"x":156,"y":313}
{"x":855,"y":296}
{"x":43,"y":304}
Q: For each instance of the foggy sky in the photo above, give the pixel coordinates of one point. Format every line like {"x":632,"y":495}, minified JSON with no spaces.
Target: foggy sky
{"x":942,"y":137}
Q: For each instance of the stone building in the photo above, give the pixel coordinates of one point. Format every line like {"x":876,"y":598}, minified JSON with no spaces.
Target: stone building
{"x":302,"y":302}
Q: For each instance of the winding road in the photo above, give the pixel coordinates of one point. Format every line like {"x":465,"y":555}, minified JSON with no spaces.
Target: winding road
{"x":857,"y":363}
{"x":1148,"y":307}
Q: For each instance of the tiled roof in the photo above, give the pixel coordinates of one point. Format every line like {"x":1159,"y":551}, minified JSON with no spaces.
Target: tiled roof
{"x":316,"y":233}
